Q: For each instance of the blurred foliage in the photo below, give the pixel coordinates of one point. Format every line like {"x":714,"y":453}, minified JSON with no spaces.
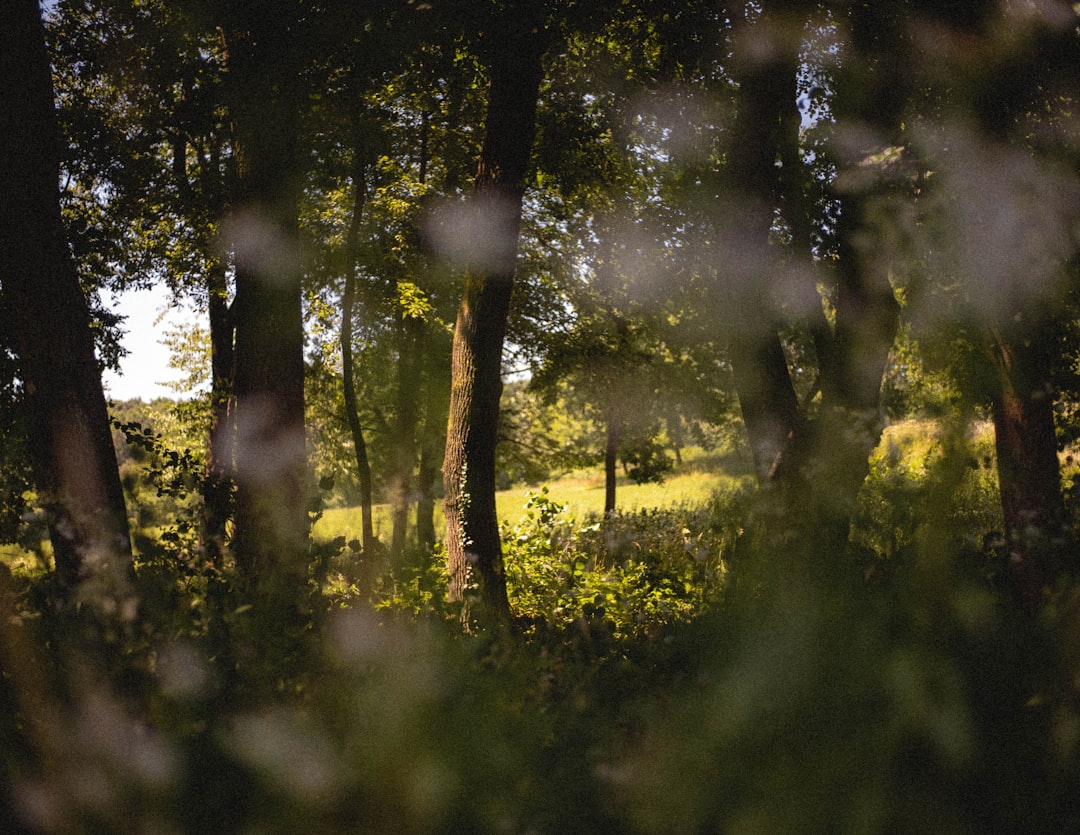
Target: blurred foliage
{"x":623,"y":576}
{"x":664,"y":675}
{"x":648,"y":689}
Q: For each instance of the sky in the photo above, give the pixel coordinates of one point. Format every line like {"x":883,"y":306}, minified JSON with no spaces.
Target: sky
{"x":147,"y":364}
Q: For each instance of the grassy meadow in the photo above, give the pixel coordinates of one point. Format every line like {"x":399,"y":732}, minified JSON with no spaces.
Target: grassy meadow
{"x":694,"y":482}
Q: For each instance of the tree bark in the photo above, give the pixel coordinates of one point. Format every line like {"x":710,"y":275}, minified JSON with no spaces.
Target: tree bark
{"x":767,"y":397}
{"x":435,"y":351}
{"x":71,"y":440}
{"x":352,"y":416}
{"x":218,"y":476}
{"x":474,"y":552}
{"x":271,"y":469}
{"x":427,"y":477}
{"x":815,"y":466}
{"x":1029,"y":477}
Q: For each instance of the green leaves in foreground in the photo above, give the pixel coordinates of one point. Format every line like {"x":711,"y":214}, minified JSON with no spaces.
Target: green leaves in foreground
{"x":624,"y":575}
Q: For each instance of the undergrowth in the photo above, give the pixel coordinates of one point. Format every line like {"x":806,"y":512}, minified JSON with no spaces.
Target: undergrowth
{"x":646,"y":690}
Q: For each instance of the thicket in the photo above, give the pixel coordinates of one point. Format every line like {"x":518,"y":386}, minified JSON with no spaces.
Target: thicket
{"x":779,"y":224}
{"x":661,"y":680}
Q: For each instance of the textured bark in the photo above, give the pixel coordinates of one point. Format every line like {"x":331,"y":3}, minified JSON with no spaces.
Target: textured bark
{"x":71,"y":441}
{"x":270,"y":516}
{"x":1028,"y":471}
{"x":474,"y":552}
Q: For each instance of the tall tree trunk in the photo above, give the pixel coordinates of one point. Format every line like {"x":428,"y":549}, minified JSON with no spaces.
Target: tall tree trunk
{"x":348,"y":367}
{"x":1028,"y":471}
{"x":427,"y":477}
{"x":472,"y":528}
{"x":271,"y":471}
{"x":852,"y":355}
{"x":867,"y":316}
{"x":352,"y":416}
{"x":435,"y":351}
{"x":217,"y":487}
{"x":1022,"y":348}
{"x":408,"y":393}
{"x":611,"y":459}
{"x":70,"y":439}
{"x":767,"y":398}
{"x":218,"y":477}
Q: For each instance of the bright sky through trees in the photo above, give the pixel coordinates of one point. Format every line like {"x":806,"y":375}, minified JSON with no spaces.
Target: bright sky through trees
{"x":146,"y":366}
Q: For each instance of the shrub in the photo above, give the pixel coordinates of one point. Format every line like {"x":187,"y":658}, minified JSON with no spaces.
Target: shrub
{"x":624,"y":574}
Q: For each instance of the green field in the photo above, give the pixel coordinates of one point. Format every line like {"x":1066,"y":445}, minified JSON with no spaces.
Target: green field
{"x":582,"y":492}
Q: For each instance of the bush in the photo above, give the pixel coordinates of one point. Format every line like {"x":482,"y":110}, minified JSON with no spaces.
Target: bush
{"x":624,"y":574}
{"x":914,"y":466}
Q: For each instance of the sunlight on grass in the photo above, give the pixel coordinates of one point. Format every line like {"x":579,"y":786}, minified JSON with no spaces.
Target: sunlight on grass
{"x":582,"y":492}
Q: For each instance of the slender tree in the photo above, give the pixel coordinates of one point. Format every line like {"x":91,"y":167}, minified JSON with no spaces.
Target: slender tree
{"x":514,"y":54}
{"x":348,"y":372}
{"x":71,"y":441}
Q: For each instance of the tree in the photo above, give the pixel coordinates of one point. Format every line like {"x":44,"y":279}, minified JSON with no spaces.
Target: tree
{"x":348,"y":372}
{"x":46,"y":311}
{"x":149,"y":172}
{"x":515,"y":45}
{"x":795,"y":450}
{"x":265,"y":62}
{"x":389,"y":139}
{"x":1008,"y":198}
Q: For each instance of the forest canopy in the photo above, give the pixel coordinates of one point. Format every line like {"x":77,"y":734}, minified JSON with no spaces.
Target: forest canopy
{"x":598,"y":416}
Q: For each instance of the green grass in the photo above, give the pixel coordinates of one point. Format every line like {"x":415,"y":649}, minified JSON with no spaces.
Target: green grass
{"x":694,"y":482}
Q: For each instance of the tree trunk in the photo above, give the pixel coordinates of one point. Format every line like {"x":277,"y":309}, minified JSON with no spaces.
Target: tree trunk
{"x":767,"y":398}
{"x":474,"y":552}
{"x":611,"y":460}
{"x":867,"y":317}
{"x":70,"y":438}
{"x":271,"y":468}
{"x":435,"y":351}
{"x":1028,"y":471}
{"x":813,"y":467}
{"x":408,"y":394}
{"x":348,"y":368}
{"x":352,"y":416}
{"x":218,"y":480}
{"x":427,"y":477}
